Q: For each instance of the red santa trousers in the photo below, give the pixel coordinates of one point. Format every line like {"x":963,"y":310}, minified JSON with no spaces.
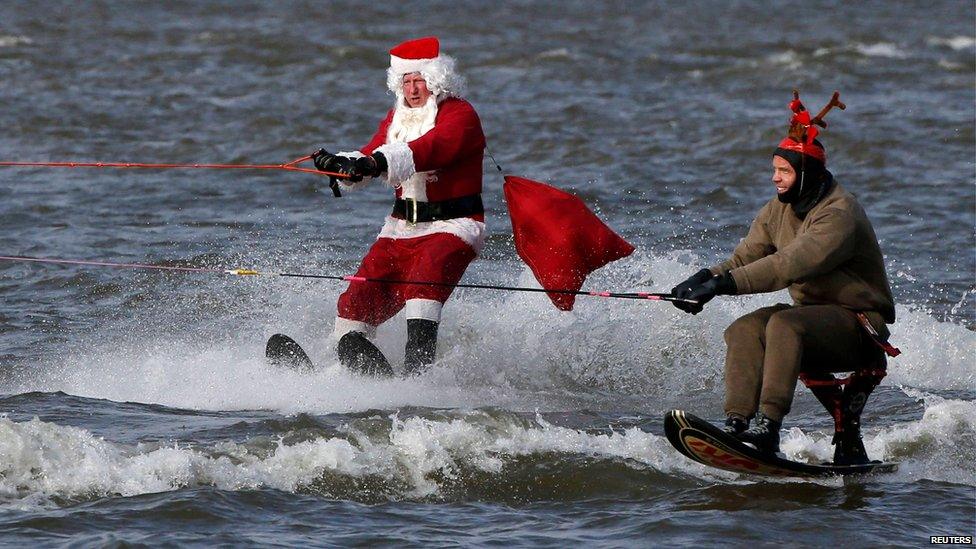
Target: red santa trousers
{"x":438,"y":257}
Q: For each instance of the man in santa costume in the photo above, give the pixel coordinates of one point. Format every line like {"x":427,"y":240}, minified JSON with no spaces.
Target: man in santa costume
{"x":429,"y":149}
{"x":815,"y":239}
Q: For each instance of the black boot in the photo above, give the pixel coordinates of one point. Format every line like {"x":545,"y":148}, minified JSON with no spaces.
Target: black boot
{"x":421,"y":345}
{"x":360,"y":355}
{"x":764,"y":434}
{"x":849,"y":448}
{"x":735,"y":424}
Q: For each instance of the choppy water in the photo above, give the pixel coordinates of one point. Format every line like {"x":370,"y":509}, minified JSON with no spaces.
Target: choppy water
{"x":135,"y":406}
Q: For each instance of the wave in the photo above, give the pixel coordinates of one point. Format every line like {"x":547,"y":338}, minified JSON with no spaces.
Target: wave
{"x":956,"y":42}
{"x":880,"y":49}
{"x":9,"y":41}
{"x":555,"y":53}
{"x":876,"y":49}
{"x":413,"y":458}
{"x":793,"y":59}
{"x":456,"y":455}
{"x":790,"y":58}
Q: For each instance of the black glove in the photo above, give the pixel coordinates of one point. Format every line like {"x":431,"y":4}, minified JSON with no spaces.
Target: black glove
{"x":321,"y":159}
{"x":694,"y":280}
{"x":722,"y":284}
{"x":370,"y":166}
{"x":327,"y":162}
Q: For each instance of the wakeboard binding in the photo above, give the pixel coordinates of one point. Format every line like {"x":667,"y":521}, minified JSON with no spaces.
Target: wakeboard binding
{"x":844,"y":399}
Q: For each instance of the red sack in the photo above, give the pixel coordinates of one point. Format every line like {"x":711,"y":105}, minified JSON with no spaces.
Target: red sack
{"x":558,"y":237}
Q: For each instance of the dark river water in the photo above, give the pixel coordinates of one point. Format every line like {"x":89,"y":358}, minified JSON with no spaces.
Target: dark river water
{"x":136,"y":406}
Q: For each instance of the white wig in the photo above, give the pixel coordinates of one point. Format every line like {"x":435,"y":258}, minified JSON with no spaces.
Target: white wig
{"x":443,"y":81}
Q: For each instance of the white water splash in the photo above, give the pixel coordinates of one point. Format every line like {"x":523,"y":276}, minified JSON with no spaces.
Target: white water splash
{"x":513,"y":350}
{"x":935,"y":355}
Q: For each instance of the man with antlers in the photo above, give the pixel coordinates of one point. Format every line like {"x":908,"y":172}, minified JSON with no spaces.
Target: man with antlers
{"x":815,"y":239}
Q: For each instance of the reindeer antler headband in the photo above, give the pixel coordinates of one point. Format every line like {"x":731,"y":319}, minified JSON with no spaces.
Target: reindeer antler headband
{"x":802,"y":127}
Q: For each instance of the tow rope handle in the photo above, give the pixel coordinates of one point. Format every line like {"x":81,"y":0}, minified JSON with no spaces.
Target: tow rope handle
{"x":334,"y":185}
{"x":333,"y":177}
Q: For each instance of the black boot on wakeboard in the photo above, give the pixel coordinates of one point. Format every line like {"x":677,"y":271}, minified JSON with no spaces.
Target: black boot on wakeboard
{"x":849,"y":448}
{"x":360,"y":355}
{"x":764,"y":434}
{"x":421,"y":345}
{"x":735,"y":424}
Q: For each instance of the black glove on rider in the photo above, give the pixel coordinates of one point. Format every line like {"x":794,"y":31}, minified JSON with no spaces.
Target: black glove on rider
{"x":722,"y":284}
{"x":681,"y":289}
{"x":371,"y":166}
{"x":327,"y":162}
{"x":321,"y":159}
{"x":355,"y":168}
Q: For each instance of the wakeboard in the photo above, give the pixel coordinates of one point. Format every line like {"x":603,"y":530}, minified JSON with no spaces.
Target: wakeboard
{"x":705,"y":443}
{"x":283,"y":352}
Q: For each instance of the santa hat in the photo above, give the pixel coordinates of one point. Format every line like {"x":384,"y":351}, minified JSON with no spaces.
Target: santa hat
{"x":423,"y":55}
{"x":414,"y":55}
{"x":801,"y":144}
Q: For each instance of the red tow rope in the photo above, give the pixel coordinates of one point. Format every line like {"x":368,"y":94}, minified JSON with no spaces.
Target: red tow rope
{"x":289,"y":166}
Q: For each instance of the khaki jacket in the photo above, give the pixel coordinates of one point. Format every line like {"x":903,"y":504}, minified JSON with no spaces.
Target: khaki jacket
{"x":829,"y":257}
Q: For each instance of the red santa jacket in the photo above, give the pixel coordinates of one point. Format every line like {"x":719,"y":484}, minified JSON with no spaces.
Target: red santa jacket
{"x":453,"y":149}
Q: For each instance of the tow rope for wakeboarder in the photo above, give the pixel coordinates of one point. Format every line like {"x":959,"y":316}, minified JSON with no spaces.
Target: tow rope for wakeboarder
{"x":349,"y":278}
{"x":288,"y":166}
{"x":292,"y":166}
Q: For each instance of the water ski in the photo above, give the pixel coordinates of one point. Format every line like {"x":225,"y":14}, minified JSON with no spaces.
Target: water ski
{"x":282,"y":351}
{"x":705,"y":443}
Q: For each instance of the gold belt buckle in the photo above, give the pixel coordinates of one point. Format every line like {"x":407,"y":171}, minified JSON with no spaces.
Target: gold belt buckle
{"x":412,"y":211}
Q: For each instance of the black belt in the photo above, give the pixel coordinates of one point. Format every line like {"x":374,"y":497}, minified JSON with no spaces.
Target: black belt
{"x":420,"y":212}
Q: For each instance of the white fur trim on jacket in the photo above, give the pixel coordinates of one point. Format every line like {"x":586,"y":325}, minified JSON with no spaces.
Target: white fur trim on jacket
{"x":416,"y":186}
{"x":399,"y":163}
{"x":427,"y":309}
{"x":470,"y":231}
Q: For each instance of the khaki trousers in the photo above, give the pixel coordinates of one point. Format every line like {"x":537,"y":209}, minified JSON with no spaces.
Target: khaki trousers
{"x":768,"y":348}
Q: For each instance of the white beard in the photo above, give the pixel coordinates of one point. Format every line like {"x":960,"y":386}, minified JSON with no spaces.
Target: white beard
{"x":409,"y":124}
